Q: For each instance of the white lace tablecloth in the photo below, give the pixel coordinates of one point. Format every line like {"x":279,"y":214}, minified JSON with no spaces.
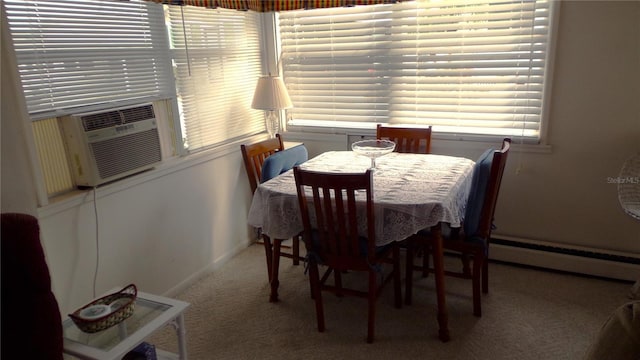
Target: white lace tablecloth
{"x":411,"y":192}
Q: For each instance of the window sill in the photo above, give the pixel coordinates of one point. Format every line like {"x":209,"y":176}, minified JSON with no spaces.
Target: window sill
{"x":169,"y":166}
{"x":443,"y":140}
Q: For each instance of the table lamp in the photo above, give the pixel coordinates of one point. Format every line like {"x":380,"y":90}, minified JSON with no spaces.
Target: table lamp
{"x":271,"y":95}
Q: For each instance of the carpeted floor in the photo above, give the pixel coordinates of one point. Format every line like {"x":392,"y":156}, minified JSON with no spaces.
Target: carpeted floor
{"x":528,"y":314}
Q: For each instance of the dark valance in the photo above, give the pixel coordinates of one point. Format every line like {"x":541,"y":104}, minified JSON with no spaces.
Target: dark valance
{"x":273,"y":5}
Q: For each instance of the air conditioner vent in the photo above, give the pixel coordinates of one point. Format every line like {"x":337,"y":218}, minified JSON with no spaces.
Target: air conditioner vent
{"x":117,"y":117}
{"x":138,"y":113}
{"x":101,"y":121}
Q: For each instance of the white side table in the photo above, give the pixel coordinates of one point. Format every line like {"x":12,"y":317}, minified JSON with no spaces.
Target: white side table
{"x":152,"y":312}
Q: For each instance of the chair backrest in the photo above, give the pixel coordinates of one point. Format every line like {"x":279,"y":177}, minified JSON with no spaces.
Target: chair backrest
{"x":32,"y":328}
{"x":283,"y":161}
{"x":483,"y":196}
{"x":407,"y":139}
{"x":330,"y":217}
{"x":254,"y":156}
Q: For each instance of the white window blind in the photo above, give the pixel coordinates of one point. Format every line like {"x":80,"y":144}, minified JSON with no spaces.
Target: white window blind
{"x":216,"y":57}
{"x":75,"y":54}
{"x":465,"y":67}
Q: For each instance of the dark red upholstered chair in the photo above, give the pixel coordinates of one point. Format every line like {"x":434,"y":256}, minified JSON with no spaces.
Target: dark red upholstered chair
{"x":31,"y":322}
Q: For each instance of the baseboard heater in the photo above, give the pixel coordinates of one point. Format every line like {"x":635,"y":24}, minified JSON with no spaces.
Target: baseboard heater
{"x":577,"y":260}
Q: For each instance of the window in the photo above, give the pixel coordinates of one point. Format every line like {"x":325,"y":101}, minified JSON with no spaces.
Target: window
{"x":83,"y":55}
{"x":217,"y":63}
{"x":76,"y":54}
{"x":469,"y":68}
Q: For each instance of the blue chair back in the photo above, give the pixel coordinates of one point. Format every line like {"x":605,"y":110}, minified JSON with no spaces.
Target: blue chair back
{"x":485,"y":186}
{"x":477,"y":194}
{"x":283,"y":161}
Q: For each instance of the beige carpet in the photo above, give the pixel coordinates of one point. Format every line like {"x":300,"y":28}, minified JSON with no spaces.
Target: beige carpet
{"x":528,"y":314}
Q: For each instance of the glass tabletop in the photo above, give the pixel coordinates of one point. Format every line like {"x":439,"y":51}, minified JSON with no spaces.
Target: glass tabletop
{"x":145,"y":311}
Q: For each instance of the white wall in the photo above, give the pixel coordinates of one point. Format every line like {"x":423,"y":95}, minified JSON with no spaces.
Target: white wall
{"x":164,"y":228}
{"x":159,"y":230}
{"x":594,"y":127}
{"x":18,"y":189}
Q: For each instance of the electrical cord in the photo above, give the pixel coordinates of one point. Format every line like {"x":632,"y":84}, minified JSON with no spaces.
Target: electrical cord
{"x":95,"y":212}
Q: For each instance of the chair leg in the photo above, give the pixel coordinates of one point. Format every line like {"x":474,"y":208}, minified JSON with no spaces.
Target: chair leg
{"x":268,"y":250}
{"x":408,"y":292}
{"x":277,"y":244}
{"x":295,"y":249}
{"x":478,"y":265}
{"x":373,"y":289}
{"x":337,"y":276}
{"x":485,"y":273}
{"x":397,"y":279}
{"x":314,"y":279}
{"x":466,"y":269}
{"x":438,"y":265}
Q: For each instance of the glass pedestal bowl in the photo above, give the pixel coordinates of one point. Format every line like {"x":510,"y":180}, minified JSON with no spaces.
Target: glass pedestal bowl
{"x":373,"y":149}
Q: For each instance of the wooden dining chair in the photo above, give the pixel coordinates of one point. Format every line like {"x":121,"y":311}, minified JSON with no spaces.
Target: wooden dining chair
{"x":254,"y":156}
{"x":408,"y":139}
{"x":329,"y":213}
{"x":274,"y":165}
{"x":415,"y":140}
{"x":472,"y":240}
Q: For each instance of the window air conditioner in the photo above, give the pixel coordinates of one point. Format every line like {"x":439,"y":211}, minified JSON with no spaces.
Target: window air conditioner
{"x":111,"y":144}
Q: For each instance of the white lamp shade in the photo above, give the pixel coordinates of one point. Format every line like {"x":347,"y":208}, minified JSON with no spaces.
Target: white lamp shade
{"x":271,"y":94}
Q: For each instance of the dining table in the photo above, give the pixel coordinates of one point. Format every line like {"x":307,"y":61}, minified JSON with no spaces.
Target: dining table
{"x":411,"y":192}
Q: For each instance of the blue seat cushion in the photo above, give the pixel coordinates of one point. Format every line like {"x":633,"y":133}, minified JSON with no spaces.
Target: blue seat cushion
{"x":283,"y":161}
{"x":479,"y":183}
